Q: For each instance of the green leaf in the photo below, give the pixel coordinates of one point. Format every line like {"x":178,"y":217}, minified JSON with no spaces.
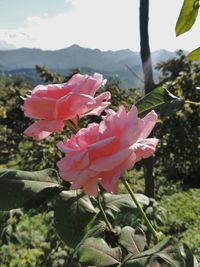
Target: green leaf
{"x":134,"y":241}
{"x":23,"y":189}
{"x":195,"y":54}
{"x":187,"y":17}
{"x":123,"y":202}
{"x":73,"y":215}
{"x":96,"y":252}
{"x":97,"y":230}
{"x":190,"y":259}
{"x":160,"y":100}
{"x":165,"y":253}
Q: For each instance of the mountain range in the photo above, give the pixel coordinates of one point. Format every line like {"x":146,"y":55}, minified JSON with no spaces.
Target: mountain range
{"x":124,"y":64}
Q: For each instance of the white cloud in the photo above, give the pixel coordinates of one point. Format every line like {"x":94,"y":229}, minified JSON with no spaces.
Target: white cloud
{"x":104,"y":24}
{"x":5,"y":46}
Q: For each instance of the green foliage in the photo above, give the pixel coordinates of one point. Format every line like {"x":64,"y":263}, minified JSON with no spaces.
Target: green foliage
{"x":54,"y":77}
{"x":96,"y":252}
{"x":12,"y":120}
{"x":182,"y":220}
{"x":166,"y":253}
{"x":177,"y":154}
{"x":30,"y":240}
{"x":187,"y":17}
{"x":48,"y":76}
{"x":121,"y":96}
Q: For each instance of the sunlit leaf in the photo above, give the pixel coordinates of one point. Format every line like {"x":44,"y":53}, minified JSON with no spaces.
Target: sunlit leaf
{"x":195,"y":54}
{"x":187,"y":17}
{"x":160,"y":100}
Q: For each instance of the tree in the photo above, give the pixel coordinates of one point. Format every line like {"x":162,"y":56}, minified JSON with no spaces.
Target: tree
{"x":148,"y":84}
{"x":178,"y":154}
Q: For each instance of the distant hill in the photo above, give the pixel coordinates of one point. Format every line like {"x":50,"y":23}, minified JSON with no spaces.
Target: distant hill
{"x":111,"y":63}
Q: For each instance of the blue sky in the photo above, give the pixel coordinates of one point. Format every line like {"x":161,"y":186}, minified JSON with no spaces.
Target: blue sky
{"x":103,"y":24}
{"x":14,"y":12}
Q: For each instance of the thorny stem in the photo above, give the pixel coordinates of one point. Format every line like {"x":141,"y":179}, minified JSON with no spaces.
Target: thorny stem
{"x":148,"y":224}
{"x":197,"y":104}
{"x":103,"y":212}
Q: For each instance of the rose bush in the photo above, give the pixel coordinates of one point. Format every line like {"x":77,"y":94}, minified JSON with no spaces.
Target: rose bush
{"x":102,"y":152}
{"x":54,"y":104}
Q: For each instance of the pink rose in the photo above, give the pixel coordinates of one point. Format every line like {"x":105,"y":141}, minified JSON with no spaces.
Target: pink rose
{"x":54,"y":104}
{"x":102,"y":152}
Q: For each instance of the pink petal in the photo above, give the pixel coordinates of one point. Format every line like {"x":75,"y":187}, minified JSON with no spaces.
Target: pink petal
{"x":35,"y":132}
{"x":91,"y":187}
{"x":110,"y":162}
{"x":145,"y":148}
{"x":42,"y":129}
{"x":72,"y":105}
{"x":69,"y":145}
{"x":103,"y":148}
{"x":99,"y":105}
{"x":54,"y":91}
{"x":76,"y":80}
{"x":109,"y":112}
{"x":149,"y":122}
{"x":133,"y":113}
{"x":97,"y":111}
{"x":110,"y":180}
{"x":121,"y":113}
{"x":40,"y":108}
{"x":114,"y":125}
{"x":88,"y":84}
{"x":77,"y":161}
{"x":88,"y":135}
{"x":83,"y":178}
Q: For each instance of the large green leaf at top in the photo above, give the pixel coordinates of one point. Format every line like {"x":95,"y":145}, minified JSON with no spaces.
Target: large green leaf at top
{"x":96,"y":252}
{"x":73,"y":216}
{"x":23,"y":189}
{"x":167,"y":253}
{"x":160,"y":100}
{"x":195,"y":54}
{"x":187,"y":17}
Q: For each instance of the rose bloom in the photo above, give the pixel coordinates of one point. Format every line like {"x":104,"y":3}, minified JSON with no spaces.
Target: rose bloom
{"x":54,"y":104}
{"x":103,"y":152}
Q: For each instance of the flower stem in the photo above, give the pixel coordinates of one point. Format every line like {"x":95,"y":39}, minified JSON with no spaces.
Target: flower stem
{"x":148,"y":224}
{"x":197,"y":104}
{"x":103,"y":212}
